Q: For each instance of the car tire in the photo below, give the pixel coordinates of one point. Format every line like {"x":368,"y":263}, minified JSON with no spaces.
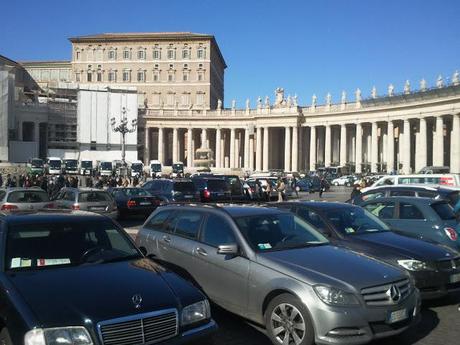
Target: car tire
{"x":336,"y":184}
{"x":5,"y":337}
{"x":287,"y":316}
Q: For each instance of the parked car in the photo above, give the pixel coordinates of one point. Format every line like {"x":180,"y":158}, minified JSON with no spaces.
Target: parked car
{"x":86,"y":167}
{"x":134,"y":201}
{"x":435,"y":269}
{"x":440,"y":179}
{"x":173,"y":190}
{"x":316,"y":184}
{"x":304,"y":184}
{"x":451,"y":194}
{"x":236,"y":187}
{"x":424,"y":218}
{"x":18,"y":198}
{"x":276,"y":270}
{"x":212,"y":189}
{"x":435,"y":170}
{"x":346,"y":180}
{"x":77,"y":278}
{"x":87,"y":199}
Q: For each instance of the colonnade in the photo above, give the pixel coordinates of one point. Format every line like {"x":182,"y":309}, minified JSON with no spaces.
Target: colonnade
{"x":404,"y":144}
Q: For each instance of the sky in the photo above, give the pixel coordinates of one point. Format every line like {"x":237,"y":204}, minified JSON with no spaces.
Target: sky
{"x":306,"y":47}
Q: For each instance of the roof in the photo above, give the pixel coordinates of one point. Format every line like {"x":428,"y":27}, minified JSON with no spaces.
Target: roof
{"x":322,"y":205}
{"x":234,"y":210}
{"x":51,"y":215}
{"x":147,"y":36}
{"x":411,"y":199}
{"x":8,"y":61}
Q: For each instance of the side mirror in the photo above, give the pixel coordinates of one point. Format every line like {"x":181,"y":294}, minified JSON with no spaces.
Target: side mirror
{"x":227,"y":249}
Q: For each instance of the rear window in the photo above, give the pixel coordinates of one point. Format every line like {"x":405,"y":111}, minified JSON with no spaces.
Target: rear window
{"x":453,"y":198}
{"x":184,"y":187}
{"x":444,"y":211}
{"x":93,"y":197}
{"x":28,"y":197}
{"x":217,"y":185}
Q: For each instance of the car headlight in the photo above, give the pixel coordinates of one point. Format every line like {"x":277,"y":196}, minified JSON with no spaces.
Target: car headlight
{"x":415,"y":265}
{"x":333,"y":296}
{"x":196,"y":312}
{"x":58,"y":336}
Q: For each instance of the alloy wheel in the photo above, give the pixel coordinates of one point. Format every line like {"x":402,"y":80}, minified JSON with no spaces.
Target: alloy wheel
{"x":288,"y":324}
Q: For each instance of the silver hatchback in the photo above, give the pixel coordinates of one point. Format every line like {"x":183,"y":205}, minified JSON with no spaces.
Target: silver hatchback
{"x":20,"y":199}
{"x":272,"y":268}
{"x":87,"y":199}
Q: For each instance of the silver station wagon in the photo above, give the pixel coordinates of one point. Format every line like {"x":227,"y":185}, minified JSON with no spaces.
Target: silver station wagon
{"x":276,"y":270}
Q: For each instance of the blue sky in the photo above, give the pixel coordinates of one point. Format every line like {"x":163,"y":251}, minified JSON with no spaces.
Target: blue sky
{"x":304,"y":46}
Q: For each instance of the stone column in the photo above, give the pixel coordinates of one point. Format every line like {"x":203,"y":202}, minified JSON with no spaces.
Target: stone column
{"x":327,"y":147}
{"x":161,"y":149}
{"x":237,"y":148}
{"x":287,"y":149}
{"x":455,"y":145}
{"x":295,"y":149}
{"x":259,"y":149}
{"x":147,"y":147}
{"x":204,"y":138}
{"x":265,"y":148}
{"x":343,"y":145}
{"x":391,"y":147}
{"x":175,"y":148}
{"x":406,"y":148}
{"x":421,"y":148}
{"x":374,"y":147}
{"x":246,"y":148}
{"x":359,"y":148}
{"x":312,"y":147}
{"x":232,"y":147}
{"x":438,"y":143}
{"x":251,"y":152}
{"x":218,"y":148}
{"x":189,"y":148}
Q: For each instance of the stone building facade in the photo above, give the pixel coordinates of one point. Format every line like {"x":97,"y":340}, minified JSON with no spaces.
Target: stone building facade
{"x":170,"y":70}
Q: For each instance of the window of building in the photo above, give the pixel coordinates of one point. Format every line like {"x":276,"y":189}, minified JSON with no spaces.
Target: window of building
{"x":126,"y":54}
{"x":141,"y":54}
{"x":185,"y":76}
{"x":127,"y":75}
{"x":171,"y":54}
{"x":156,"y":97}
{"x":201,"y":53}
{"x":185,"y":99}
{"x":185,"y":53}
{"x":89,"y":77}
{"x":200,"y":98}
{"x":185,"y":65}
{"x":156,"y":54}
{"x":156,"y":76}
{"x":156,"y":66}
{"x":170,"y":99}
{"x":171,"y":66}
{"x":200,"y":77}
{"x":112,"y":76}
{"x":141,"y":76}
{"x":77,"y":55}
{"x":170,"y":77}
{"x":112,"y":54}
{"x":99,"y":76}
{"x":77,"y":77}
{"x":200,"y":66}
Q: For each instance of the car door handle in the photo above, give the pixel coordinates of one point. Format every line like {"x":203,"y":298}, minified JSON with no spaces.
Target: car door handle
{"x":167,"y":239}
{"x":201,"y":251}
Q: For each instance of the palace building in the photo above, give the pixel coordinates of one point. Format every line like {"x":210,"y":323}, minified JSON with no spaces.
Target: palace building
{"x":179,"y":82}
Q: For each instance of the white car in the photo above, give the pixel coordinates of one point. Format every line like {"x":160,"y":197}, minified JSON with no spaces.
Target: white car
{"x":343,"y":181}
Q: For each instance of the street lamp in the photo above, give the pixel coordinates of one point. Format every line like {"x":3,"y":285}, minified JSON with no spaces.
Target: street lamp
{"x":123,"y":129}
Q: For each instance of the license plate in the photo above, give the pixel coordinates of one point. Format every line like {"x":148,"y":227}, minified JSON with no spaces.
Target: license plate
{"x":97,"y":208}
{"x":188,"y":196}
{"x":455,"y":278}
{"x":397,"y":315}
{"x":144,"y":203}
{"x":220,"y":194}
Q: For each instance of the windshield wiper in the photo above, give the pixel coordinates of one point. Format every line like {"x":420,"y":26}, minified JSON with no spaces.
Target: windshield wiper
{"x":303,"y":245}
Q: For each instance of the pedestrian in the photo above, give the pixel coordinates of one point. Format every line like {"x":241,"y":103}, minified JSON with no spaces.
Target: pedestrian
{"x":322,"y":187}
{"x":268,"y":190}
{"x":14,"y":182}
{"x":294,"y":186}
{"x":356,"y":191}
{"x":1,"y":180}
{"x":280,"y":189}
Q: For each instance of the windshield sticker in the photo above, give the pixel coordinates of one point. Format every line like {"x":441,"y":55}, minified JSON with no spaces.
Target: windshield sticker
{"x":20,"y":262}
{"x":264,"y":246}
{"x":349,"y":230}
{"x":50,"y":262}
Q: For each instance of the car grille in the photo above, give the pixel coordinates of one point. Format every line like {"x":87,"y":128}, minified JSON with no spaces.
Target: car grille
{"x":448,"y":265}
{"x":380,"y":296}
{"x":147,"y":328}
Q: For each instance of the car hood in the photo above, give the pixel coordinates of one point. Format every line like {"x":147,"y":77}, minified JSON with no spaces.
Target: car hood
{"x":328,"y":264}
{"x":71,"y":296}
{"x":392,"y":246}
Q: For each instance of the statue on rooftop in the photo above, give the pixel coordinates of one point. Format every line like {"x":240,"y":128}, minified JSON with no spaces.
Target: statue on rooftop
{"x":247,"y":104}
{"x":289,"y":101}
{"x":456,"y":78}
{"x":259,"y":102}
{"x":279,"y":95}
{"x":328,"y":99}
{"x":219,"y":104}
{"x":358,"y":95}
{"x":423,"y":85}
{"x":294,"y":100}
{"x":391,"y":90}
{"x":233,"y":104}
{"x":344,"y":97}
{"x":374,"y":92}
{"x":267,"y":102}
{"x":313,"y":100}
{"x":407,"y":87}
{"x":440,"y":82}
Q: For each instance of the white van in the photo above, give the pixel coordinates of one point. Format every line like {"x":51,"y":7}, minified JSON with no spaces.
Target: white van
{"x":438,"y":179}
{"x":54,"y":165}
{"x":155,"y":168}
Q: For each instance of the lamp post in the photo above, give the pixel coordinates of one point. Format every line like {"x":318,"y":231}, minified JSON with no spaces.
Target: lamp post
{"x":123,"y":129}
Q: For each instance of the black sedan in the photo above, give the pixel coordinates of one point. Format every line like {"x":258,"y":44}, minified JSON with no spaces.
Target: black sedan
{"x":71,"y":277}
{"x":135,"y":201}
{"x":435,"y":268}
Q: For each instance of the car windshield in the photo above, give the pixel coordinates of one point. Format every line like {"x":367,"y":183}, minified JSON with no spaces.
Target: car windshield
{"x":136,"y":167}
{"x":178,"y":168}
{"x":71,"y":163}
{"x":217,"y":185}
{"x":136,"y":192}
{"x":86,"y":164}
{"x":106,"y":166}
{"x":155,"y":167}
{"x":28,"y":196}
{"x":51,"y":245}
{"x":184,"y":187}
{"x":37,"y":163}
{"x":354,"y":220}
{"x":94,"y":196}
{"x":268,"y":232}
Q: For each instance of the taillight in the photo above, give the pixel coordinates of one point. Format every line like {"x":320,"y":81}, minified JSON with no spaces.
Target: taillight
{"x":50,"y":205}
{"x":75,"y":207}
{"x":155,"y":202}
{"x":451,"y":233}
{"x":9,"y":207}
{"x":448,"y":181}
{"x":206,"y":194}
{"x":131,"y":203}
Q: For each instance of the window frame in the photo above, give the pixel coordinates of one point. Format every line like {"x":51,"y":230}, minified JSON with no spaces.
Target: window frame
{"x":224,"y":221}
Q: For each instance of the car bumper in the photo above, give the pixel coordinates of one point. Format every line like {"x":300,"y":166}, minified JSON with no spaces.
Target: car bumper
{"x":436,"y":284}
{"x":360,"y":325}
{"x":195,"y":333}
